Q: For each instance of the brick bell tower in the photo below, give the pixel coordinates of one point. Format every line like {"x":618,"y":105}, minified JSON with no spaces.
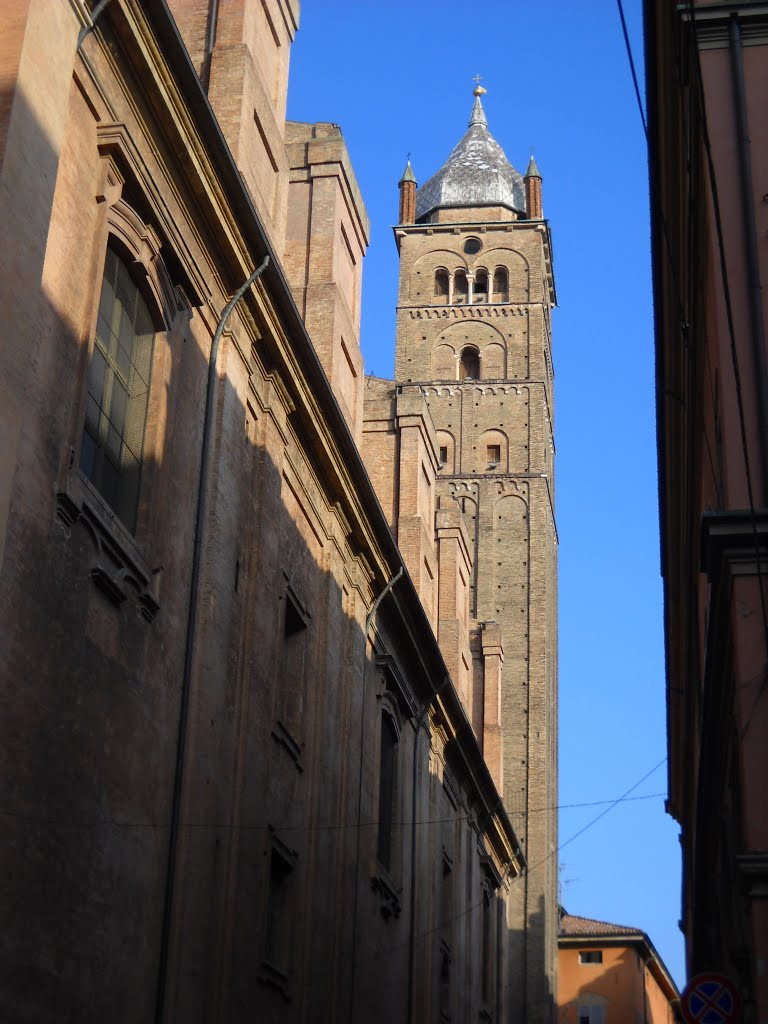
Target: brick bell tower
{"x":474,"y":341}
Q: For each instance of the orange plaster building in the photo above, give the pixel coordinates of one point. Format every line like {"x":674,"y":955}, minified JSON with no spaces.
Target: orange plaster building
{"x":611,"y":974}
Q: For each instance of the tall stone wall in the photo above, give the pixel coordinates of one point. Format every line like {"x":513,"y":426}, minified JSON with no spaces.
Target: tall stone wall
{"x":208,"y":814}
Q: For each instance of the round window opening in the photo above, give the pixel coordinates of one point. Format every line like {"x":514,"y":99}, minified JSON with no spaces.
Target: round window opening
{"x":472,"y":245}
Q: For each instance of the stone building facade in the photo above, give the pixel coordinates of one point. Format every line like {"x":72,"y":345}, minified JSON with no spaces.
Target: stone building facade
{"x":240,"y":776}
{"x":707,"y":74}
{"x":464,"y":439}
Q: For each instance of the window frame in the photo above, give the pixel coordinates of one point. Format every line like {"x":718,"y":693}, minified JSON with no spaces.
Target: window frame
{"x":388,"y":721}
{"x":464,"y":375}
{"x":590,"y":957}
{"x":139,"y":246}
{"x":121,"y":562}
{"x":113,"y":373}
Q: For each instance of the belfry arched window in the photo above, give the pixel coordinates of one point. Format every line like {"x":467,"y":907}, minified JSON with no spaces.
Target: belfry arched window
{"x":460,"y":287}
{"x":480,"y":290}
{"x":118,"y":391}
{"x":469,"y":367}
{"x":441,"y":286}
{"x":500,"y":285}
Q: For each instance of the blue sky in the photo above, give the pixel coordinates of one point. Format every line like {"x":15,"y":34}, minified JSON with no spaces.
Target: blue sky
{"x":397,"y":78}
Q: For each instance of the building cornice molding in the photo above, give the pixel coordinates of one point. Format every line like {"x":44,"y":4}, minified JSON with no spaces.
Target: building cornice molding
{"x":712,"y":23}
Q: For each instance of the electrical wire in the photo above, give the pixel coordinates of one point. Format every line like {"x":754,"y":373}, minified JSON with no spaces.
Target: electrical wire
{"x":632,"y":67}
{"x":337,"y":827}
{"x":389,"y":950}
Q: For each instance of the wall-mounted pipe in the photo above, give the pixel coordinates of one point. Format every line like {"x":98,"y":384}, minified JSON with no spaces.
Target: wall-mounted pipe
{"x":189,"y":645}
{"x":92,"y":24}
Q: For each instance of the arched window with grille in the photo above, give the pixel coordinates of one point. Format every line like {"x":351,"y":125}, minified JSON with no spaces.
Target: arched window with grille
{"x":118,"y":391}
{"x":469,"y":366}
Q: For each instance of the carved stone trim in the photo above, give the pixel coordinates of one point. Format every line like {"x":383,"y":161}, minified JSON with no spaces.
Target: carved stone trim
{"x":282,"y":736}
{"x":388,"y":895}
{"x":480,"y":312}
{"x":754,"y":868}
{"x":274,"y":978}
{"x":397,"y":685}
{"x":117,"y":567}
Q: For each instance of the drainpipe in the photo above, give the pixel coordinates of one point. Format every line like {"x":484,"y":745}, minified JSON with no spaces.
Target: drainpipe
{"x":92,"y":24}
{"x":210,"y":40}
{"x":412,"y":931}
{"x":368,"y":623}
{"x":750,"y":244}
{"x":194,"y":586}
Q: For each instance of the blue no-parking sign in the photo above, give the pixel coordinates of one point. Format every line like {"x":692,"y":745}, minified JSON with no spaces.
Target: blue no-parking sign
{"x":710,"y":999}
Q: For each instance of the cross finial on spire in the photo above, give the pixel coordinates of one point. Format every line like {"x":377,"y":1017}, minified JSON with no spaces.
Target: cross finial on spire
{"x":478,"y":90}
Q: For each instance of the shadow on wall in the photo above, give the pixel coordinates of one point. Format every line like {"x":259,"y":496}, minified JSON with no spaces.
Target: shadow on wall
{"x":527,"y":989}
{"x":608,"y":991}
{"x":279,"y":811}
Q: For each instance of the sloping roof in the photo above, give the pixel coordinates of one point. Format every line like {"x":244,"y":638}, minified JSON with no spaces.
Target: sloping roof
{"x":588,"y":928}
{"x":477,"y":173}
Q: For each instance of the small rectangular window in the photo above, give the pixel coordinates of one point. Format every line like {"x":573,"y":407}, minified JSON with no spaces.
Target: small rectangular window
{"x":387,"y":788}
{"x":494,"y":453}
{"x":443,"y":454}
{"x":591,"y":956}
{"x":293,"y":665}
{"x":486,"y":945}
{"x":591,"y":1014}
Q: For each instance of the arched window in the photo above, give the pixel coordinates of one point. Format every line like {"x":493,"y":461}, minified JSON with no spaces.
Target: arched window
{"x":118,"y":391}
{"x":441,"y":285}
{"x":387,"y":787}
{"x":469,"y":367}
{"x":480,"y":291}
{"x":500,"y":285}
{"x":460,"y":287}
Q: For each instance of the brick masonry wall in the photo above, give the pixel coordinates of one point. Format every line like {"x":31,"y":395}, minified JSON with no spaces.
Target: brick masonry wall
{"x":509,"y":515}
{"x":283,"y":734}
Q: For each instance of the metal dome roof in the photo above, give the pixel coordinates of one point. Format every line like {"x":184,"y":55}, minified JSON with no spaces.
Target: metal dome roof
{"x":477,"y":173}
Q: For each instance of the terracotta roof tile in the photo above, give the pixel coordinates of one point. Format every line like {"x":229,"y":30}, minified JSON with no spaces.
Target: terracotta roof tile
{"x":587,"y":928}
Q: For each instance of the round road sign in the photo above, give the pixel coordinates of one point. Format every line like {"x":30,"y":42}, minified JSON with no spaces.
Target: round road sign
{"x":710,"y":999}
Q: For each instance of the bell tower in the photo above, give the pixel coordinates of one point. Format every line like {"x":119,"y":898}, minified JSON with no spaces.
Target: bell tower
{"x":474,"y":341}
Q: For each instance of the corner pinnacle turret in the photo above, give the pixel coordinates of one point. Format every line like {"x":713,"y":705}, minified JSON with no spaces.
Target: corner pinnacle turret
{"x":533,"y":191}
{"x":407,"y":186}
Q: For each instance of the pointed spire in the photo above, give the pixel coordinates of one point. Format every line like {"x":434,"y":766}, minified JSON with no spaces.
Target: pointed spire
{"x":478,"y":114}
{"x":533,"y":170}
{"x":407,"y":186}
{"x":477,"y":173}
{"x":408,"y":174}
{"x":532,"y":183}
